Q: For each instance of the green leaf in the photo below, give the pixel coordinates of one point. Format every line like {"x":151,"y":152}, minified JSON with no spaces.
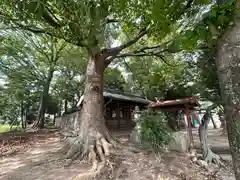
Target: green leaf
{"x":204,"y":1}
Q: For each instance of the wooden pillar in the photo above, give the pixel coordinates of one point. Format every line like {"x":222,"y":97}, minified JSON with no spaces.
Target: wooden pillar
{"x":118,"y":115}
{"x":131,"y":110}
{"x":189,"y":127}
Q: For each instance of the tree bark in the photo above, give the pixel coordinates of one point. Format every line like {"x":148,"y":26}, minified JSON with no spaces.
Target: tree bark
{"x":39,"y":123}
{"x":65,"y":105}
{"x":23,"y":120}
{"x":227,"y":61}
{"x":59,"y":109}
{"x":54,"y":119}
{"x":223,"y":125}
{"x":172,"y":121}
{"x":213,"y":122}
{"x":208,"y":155}
{"x":92,"y":136}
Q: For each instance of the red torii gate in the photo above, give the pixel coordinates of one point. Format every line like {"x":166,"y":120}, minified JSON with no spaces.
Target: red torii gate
{"x":185,"y":104}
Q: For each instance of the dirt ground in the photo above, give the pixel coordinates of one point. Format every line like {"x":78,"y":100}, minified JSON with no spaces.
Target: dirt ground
{"x":217,"y":141}
{"x":37,"y":157}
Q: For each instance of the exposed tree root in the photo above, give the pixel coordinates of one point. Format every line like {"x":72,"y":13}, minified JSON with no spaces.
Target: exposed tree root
{"x":92,"y":144}
{"x":211,"y":157}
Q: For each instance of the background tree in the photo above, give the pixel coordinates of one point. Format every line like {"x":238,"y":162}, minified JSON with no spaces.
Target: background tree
{"x":21,"y":78}
{"x":113,"y":79}
{"x":163,"y":80}
{"x":69,"y":83}
{"x":33,"y":61}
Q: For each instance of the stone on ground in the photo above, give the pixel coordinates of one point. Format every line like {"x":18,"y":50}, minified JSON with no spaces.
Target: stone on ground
{"x":180,"y":142}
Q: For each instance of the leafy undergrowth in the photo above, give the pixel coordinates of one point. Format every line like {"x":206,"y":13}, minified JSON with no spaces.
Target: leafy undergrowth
{"x":6,"y":128}
{"x":154,"y":130}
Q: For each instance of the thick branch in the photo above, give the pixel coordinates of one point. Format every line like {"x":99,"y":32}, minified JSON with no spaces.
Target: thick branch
{"x":37,"y":30}
{"x":156,"y":54}
{"x":32,"y":29}
{"x":114,"y":51}
{"x":44,"y":31}
{"x":111,"y":21}
{"x":144,"y":51}
{"x":155,"y":50}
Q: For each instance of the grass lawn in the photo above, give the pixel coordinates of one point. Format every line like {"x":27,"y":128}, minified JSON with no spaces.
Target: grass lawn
{"x":6,"y":128}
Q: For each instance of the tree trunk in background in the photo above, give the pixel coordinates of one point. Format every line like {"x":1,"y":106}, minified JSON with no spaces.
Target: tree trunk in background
{"x":213,"y":122}
{"x":42,"y":104}
{"x":73,"y":103}
{"x":223,"y":125}
{"x":25,"y":117}
{"x":23,"y":120}
{"x":227,"y":61}
{"x":208,"y":155}
{"x":54,"y":119}
{"x":224,"y":130}
{"x":92,"y":134}
{"x":59,"y":109}
{"x":65,"y":105}
{"x":172,"y":120}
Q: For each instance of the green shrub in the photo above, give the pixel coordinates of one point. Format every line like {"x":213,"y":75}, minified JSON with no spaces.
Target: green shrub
{"x":154,"y":130}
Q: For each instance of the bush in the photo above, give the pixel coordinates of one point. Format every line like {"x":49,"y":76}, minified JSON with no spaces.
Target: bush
{"x":154,"y":130}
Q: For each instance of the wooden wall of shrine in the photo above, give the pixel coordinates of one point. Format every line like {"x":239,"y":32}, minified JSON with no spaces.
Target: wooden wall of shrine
{"x":119,"y":115}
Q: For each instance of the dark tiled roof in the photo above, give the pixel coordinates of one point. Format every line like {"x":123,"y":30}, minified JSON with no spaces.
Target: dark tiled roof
{"x":117,"y":95}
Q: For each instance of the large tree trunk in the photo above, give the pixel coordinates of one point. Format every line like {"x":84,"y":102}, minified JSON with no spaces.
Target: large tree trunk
{"x":39,"y":123}
{"x":227,"y":61}
{"x":92,"y":137}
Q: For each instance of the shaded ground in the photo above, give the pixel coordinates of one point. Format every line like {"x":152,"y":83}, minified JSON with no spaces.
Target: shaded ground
{"x":37,"y":158}
{"x":219,"y":145}
{"x":217,"y":142}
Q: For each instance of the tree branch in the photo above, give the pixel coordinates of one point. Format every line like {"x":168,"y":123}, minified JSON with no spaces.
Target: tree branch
{"x":44,"y":31}
{"x":111,"y":21}
{"x":37,"y":46}
{"x":134,"y":81}
{"x":114,"y":51}
{"x":144,"y":51}
{"x":145,"y":55}
{"x":142,"y":54}
{"x":37,"y":30}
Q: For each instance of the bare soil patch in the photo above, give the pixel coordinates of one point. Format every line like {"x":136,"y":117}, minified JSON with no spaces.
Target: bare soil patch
{"x":37,"y":157}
